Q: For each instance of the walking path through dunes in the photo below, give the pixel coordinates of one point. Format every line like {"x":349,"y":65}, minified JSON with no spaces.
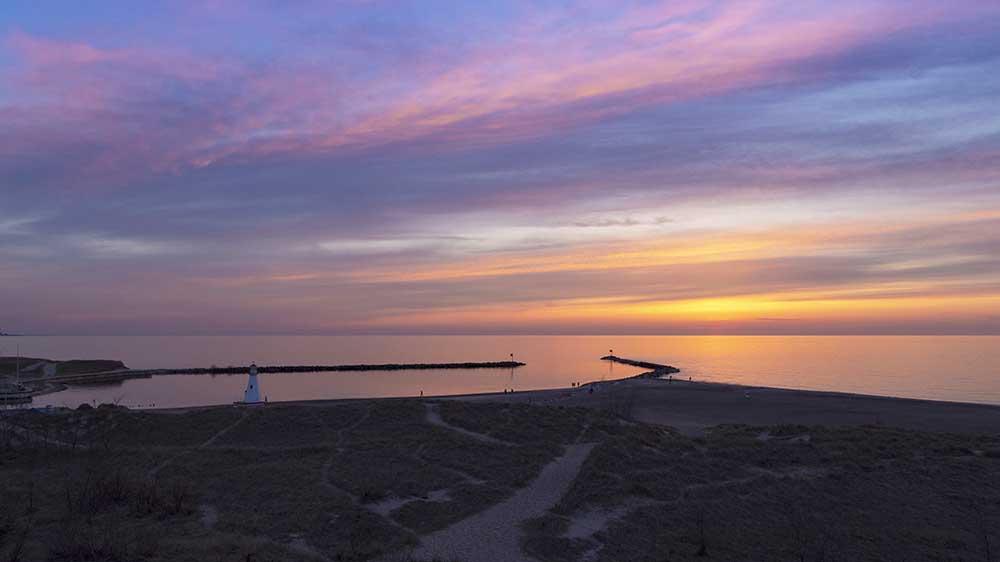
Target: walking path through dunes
{"x":208,"y":442}
{"x":434,"y":418}
{"x":374,"y":480}
{"x":494,"y":535}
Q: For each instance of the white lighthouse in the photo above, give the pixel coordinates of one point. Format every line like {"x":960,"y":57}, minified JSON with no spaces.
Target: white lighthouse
{"x":252,"y":394}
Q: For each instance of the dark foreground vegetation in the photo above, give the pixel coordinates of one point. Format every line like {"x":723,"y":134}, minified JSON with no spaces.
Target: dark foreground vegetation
{"x":793,"y":493}
{"x":357,"y":480}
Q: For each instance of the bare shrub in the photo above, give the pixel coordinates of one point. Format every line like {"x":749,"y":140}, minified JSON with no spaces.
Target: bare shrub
{"x":16,"y":525}
{"x":179,"y":499}
{"x":97,"y":492}
{"x":13,"y":537}
{"x":983,"y":531}
{"x":90,"y":540}
{"x":111,"y":538}
{"x":702,"y":541}
{"x":7,"y":434}
{"x":810,"y":540}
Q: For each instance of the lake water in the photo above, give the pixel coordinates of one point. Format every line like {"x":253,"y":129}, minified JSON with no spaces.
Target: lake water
{"x":957,"y":368}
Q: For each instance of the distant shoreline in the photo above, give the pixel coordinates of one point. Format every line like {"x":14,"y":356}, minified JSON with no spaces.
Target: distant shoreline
{"x":278,"y":369}
{"x":694,"y":406}
{"x":41,"y":385}
{"x":655,"y":398}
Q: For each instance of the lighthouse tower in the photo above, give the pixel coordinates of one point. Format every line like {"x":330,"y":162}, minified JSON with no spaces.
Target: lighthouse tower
{"x":252,"y":394}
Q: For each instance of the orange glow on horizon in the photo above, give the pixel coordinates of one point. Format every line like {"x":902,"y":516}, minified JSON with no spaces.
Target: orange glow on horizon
{"x":721,"y":311}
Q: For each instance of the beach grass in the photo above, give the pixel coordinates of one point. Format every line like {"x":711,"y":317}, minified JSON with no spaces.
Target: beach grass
{"x":357,"y":480}
{"x":290,"y":481}
{"x":782,"y":493}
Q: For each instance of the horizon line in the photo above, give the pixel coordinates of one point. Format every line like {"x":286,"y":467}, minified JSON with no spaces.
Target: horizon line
{"x":533,"y":334}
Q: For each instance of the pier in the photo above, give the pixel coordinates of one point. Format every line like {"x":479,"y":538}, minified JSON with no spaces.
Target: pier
{"x":656,"y":370}
{"x":139,"y":373}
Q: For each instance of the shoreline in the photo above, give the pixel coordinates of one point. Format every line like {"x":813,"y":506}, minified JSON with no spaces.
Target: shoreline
{"x":515,"y":475}
{"x":692,"y":407}
{"x":655,"y":397}
{"x":60,"y":386}
{"x":545,"y":391}
{"x":540,"y":392}
{"x":41,"y":386}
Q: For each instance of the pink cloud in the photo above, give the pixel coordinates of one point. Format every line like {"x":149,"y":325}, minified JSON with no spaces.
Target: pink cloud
{"x":547,"y":76}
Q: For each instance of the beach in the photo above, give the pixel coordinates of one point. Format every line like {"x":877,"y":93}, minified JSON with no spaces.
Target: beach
{"x":638,"y":469}
{"x":693,"y":407}
{"x":663,"y":397}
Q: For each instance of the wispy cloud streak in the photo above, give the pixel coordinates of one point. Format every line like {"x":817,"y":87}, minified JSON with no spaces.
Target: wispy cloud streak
{"x":652,"y":165}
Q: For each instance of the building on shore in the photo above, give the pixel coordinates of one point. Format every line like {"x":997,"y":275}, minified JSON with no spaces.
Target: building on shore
{"x":252,"y":393}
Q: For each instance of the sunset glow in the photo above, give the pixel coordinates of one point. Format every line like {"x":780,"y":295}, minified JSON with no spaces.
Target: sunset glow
{"x":689,"y":166}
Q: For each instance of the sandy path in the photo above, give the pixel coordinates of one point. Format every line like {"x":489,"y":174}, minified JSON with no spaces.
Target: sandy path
{"x":208,"y":442}
{"x":494,"y":535}
{"x":434,"y":418}
{"x":586,"y":524}
{"x":336,"y":447}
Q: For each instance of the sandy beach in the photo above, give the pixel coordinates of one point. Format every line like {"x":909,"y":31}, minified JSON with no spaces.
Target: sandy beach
{"x":692,"y":407}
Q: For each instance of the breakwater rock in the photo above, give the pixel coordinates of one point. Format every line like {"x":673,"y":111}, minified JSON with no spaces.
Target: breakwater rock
{"x":656,"y":368}
{"x":334,"y":368}
{"x":122,"y":374}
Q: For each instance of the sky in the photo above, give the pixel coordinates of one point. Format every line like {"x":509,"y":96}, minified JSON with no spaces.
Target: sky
{"x":590,"y":167}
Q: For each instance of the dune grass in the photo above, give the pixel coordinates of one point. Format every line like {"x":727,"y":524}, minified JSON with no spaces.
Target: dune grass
{"x":782,"y":493}
{"x":273,"y":483}
{"x":313,"y":481}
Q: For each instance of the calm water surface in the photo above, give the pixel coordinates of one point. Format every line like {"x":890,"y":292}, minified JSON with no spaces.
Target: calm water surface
{"x":958,"y":368}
